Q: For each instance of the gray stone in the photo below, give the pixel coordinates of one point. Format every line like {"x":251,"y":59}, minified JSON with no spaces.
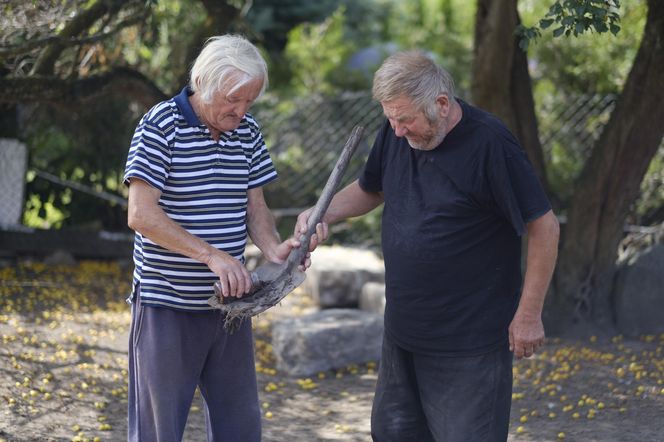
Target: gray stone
{"x":372,"y":297}
{"x":60,"y":258}
{"x":639,"y":293}
{"x":326,"y":339}
{"x":337,"y":275}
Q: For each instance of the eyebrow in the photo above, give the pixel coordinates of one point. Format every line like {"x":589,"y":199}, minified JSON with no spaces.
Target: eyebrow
{"x":401,"y":118}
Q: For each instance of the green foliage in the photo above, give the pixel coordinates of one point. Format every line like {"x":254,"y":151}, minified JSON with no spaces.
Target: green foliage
{"x":160,"y":49}
{"x":564,"y":71}
{"x":317,"y":53}
{"x":442,"y":27}
{"x":88,"y":146}
{"x":575,"y":17}
{"x":592,"y":64}
{"x":272,"y":20}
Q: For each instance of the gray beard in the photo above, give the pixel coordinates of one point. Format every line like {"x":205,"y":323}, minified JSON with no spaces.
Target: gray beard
{"x":432,"y":144}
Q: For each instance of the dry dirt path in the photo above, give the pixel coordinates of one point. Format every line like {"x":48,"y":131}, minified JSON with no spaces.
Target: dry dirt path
{"x":63,"y":366}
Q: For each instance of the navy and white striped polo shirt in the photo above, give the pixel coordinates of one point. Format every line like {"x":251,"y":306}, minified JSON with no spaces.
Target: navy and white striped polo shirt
{"x":203,"y":187}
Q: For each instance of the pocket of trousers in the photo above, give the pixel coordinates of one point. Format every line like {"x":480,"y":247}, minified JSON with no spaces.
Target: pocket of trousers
{"x":138,"y":316}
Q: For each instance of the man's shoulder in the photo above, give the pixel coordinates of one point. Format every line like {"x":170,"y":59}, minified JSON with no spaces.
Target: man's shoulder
{"x":251,"y":121}
{"x":488,"y":129}
{"x":248,"y":131}
{"x":162,"y":114}
{"x":482,"y":120}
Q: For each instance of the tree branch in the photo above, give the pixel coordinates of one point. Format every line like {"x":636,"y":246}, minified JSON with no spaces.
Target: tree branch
{"x":124,"y":81}
{"x":13,"y":50}
{"x":79,"y":24}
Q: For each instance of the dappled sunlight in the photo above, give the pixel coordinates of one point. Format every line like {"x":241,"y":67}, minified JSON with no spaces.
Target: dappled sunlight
{"x":64,"y":360}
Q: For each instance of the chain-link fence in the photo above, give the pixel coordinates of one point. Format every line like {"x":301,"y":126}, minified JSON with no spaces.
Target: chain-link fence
{"x":306,"y":139}
{"x":575,"y":124}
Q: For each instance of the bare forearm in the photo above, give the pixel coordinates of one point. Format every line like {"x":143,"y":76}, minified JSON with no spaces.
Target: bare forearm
{"x":147,"y":217}
{"x":543,"y":235}
{"x":153,"y":223}
{"x":262,"y":228}
{"x":351,"y":201}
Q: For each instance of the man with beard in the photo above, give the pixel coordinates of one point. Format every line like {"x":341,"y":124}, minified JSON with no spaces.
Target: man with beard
{"x":458,"y":194}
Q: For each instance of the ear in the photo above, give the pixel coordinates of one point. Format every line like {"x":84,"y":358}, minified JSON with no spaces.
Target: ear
{"x":443,"y":102}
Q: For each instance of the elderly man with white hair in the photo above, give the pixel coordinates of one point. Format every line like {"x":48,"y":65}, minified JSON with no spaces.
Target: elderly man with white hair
{"x":195,"y":170}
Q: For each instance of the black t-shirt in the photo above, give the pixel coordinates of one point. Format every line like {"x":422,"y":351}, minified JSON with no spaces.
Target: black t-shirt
{"x":451,"y":228}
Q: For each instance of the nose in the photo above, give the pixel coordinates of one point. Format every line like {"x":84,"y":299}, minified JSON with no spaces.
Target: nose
{"x":400,"y":130}
{"x":241,"y":109}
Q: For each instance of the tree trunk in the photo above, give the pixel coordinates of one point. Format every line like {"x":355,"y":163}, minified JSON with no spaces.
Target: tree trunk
{"x":45,"y":63}
{"x":221,"y":16}
{"x":501,"y":83}
{"x":610,"y":181}
{"x":119,"y":81}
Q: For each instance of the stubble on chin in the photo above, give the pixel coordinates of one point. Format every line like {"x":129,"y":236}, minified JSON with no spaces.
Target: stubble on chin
{"x":431,"y":143}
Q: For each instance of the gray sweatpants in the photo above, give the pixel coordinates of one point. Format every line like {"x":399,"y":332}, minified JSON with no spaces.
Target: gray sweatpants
{"x":170,"y":354}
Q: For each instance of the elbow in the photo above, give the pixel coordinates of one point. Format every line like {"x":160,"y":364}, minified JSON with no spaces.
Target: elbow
{"x":135,"y":220}
{"x":132,"y":221}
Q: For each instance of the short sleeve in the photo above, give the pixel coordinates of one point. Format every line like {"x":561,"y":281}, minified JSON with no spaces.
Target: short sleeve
{"x":149,"y":155}
{"x":371,"y":179}
{"x":261,"y":168}
{"x":516,"y":190}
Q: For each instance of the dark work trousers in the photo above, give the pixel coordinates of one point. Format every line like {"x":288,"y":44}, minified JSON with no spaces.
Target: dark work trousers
{"x":436,"y":398}
{"x":173,"y":352}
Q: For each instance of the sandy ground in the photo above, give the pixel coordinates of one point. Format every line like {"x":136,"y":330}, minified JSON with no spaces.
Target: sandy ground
{"x":63,"y":366}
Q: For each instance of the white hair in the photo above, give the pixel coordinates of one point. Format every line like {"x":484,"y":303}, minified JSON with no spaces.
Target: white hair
{"x":227,"y":61}
{"x":414,"y":75}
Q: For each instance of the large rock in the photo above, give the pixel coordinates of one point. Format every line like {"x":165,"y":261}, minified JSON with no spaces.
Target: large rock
{"x":326,"y":339}
{"x":639,"y":293}
{"x":337,"y":275}
{"x":372,"y":297}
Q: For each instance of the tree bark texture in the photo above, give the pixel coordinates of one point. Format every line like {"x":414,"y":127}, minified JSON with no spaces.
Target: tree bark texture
{"x":123,"y":81}
{"x":610,"y":180}
{"x":221,"y":15}
{"x":45,"y":63}
{"x":501,"y":83}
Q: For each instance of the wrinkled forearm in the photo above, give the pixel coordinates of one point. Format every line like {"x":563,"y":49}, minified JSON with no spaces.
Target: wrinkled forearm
{"x":543,"y":234}
{"x":146,"y":217}
{"x":261,"y":225}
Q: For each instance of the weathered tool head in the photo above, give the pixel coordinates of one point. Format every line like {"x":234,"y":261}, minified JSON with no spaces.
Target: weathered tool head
{"x":272,"y":282}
